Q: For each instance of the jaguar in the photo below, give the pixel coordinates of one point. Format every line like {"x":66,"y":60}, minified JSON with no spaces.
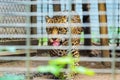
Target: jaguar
{"x":55,"y":30}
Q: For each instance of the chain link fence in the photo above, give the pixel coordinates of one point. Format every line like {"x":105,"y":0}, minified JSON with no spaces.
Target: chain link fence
{"x":22,"y":52}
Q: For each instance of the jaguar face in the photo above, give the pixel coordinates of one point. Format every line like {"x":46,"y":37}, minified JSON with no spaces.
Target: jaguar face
{"x":55,"y":30}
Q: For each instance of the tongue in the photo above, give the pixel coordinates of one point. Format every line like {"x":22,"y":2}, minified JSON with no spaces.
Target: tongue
{"x":56,"y":43}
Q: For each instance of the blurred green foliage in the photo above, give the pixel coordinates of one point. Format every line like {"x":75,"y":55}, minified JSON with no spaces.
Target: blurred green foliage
{"x":56,"y":65}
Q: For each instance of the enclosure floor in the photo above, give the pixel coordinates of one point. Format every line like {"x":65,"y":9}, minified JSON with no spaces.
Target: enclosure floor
{"x":97,"y":77}
{"x":96,"y":65}
{"x":35,"y":64}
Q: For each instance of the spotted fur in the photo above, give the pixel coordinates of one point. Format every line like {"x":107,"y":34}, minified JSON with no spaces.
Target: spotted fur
{"x":64,"y":30}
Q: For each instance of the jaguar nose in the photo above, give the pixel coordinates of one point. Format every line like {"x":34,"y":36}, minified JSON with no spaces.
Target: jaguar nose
{"x":54,"y":39}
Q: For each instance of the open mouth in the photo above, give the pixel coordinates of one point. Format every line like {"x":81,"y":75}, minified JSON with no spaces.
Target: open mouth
{"x":55,"y":42}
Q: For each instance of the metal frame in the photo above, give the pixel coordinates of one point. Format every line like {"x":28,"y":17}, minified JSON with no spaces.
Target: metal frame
{"x":28,"y":37}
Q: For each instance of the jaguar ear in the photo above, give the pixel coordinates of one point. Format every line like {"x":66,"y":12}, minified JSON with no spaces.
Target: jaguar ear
{"x":47,"y":17}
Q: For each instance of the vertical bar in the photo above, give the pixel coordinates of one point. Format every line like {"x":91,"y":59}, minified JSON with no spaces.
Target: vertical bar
{"x":44,"y":39}
{"x":73,"y":7}
{"x":114,"y":41}
{"x":34,"y":19}
{"x":50,"y":9}
{"x":42,"y":19}
{"x":69,"y":27}
{"x":39,"y":18}
{"x":56,"y":6}
{"x":69,"y":32}
{"x":118,"y":31}
{"x":103,"y":28}
{"x":28,"y":42}
{"x":86,"y":19}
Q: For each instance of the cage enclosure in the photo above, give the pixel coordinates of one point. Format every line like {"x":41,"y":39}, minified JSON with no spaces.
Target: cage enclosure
{"x":34,"y":32}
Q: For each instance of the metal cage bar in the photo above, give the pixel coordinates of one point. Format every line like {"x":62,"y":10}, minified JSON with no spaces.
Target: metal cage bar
{"x":41,"y":25}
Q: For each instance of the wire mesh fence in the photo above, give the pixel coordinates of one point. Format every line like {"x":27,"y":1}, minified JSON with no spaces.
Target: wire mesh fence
{"x":89,"y":27}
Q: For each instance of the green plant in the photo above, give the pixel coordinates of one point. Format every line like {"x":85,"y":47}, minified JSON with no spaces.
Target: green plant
{"x":82,"y":37}
{"x":56,"y":65}
{"x":43,"y":41}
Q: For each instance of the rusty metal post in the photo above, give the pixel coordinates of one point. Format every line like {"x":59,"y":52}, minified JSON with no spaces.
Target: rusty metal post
{"x":103,"y":28}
